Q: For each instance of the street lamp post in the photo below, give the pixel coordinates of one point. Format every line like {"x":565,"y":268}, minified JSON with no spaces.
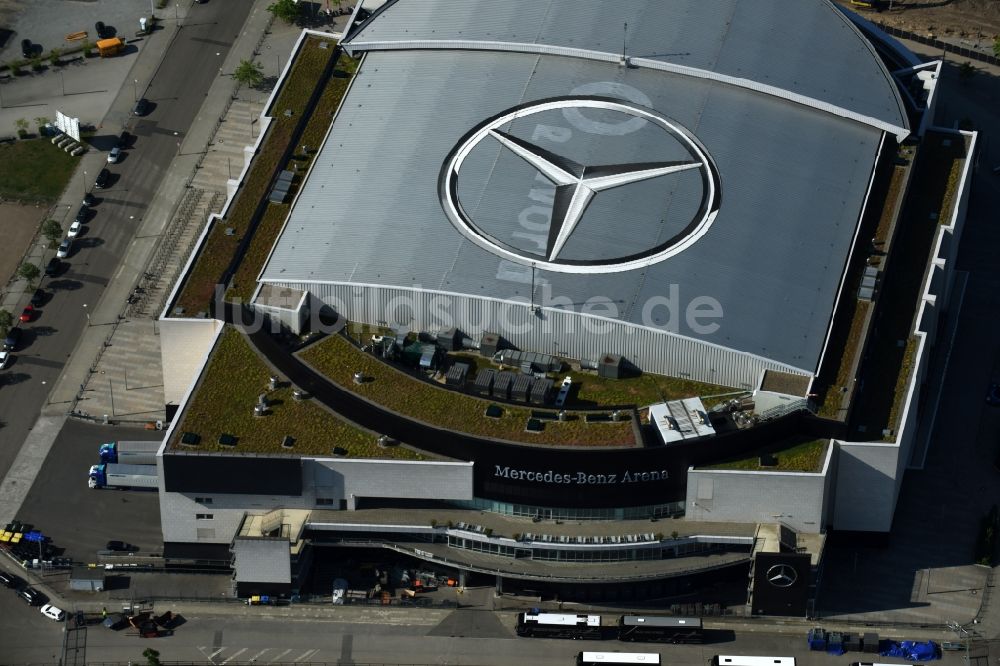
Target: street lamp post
{"x":84,"y":183}
{"x":135,"y":90}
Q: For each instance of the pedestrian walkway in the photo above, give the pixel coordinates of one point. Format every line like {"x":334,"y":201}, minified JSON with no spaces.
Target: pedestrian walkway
{"x":126,"y":382}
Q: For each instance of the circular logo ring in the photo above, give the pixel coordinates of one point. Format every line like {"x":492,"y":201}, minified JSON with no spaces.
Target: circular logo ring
{"x":577,"y":184}
{"x":782,"y":575}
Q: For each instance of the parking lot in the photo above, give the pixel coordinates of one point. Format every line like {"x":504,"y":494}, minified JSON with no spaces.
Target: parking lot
{"x":81,"y":520}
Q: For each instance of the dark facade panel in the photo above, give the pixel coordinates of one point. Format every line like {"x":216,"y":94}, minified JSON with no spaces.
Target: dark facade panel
{"x":781,"y":584}
{"x":255,"y":475}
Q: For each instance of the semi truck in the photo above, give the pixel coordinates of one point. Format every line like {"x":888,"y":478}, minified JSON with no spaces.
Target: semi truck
{"x":109,"y":475}
{"x":129,"y":453}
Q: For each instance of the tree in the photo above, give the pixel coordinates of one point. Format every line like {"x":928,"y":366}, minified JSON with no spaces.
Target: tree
{"x":29,"y":272}
{"x":249,"y":73}
{"x":6,"y":321}
{"x":41,"y":121}
{"x":53,"y":231}
{"x":966,"y":71}
{"x":152,"y":656}
{"x":36,"y":64}
{"x":286,"y":10}
{"x":22,"y":127}
{"x":54,"y":57}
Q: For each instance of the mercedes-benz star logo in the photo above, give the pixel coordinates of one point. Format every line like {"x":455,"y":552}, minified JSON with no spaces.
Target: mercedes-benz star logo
{"x":577,"y":184}
{"x":782,"y":575}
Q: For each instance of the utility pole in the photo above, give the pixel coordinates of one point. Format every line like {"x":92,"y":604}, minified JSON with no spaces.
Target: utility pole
{"x":624,"y":39}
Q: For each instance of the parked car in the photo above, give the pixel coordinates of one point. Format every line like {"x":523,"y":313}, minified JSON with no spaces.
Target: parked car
{"x":993,"y":394}
{"x":82,"y":214}
{"x":28,"y":313}
{"x":27,"y":48}
{"x":12,"y":340}
{"x":10,"y":580}
{"x":103,"y":32}
{"x":102,"y":179}
{"x":88,"y":199}
{"x":30,"y":595}
{"x":114,"y":155}
{"x":123,"y":140}
{"x":120,"y":547}
{"x":74,"y":230}
{"x":53,"y":613}
{"x":4,"y":360}
{"x":115,"y":621}
{"x":141,"y":107}
{"x":64,"y":249}
{"x":38,"y":298}
{"x":53,"y":267}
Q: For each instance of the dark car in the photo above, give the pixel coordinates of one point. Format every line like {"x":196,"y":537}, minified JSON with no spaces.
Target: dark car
{"x":102,"y":179}
{"x":141,"y":107}
{"x":11,"y":581}
{"x":82,"y":214}
{"x":27,"y":48}
{"x":88,"y":199}
{"x":120,"y":547}
{"x":123,"y":140}
{"x":115,"y":621}
{"x":993,"y":394}
{"x":53,"y":267}
{"x":12,"y":340}
{"x":31,"y":596}
{"x":38,"y":298}
{"x":103,"y":32}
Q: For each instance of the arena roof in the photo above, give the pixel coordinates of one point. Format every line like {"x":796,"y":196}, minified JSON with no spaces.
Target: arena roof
{"x":764,"y":228}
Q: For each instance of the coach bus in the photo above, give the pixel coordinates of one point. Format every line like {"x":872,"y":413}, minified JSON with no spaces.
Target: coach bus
{"x":651,"y":629}
{"x":554,"y":625}
{"x":720,"y":660}
{"x":598,"y":658}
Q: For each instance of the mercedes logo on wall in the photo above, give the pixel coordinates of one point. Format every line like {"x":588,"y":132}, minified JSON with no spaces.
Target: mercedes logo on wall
{"x":782,"y":575}
{"x":576,"y":186}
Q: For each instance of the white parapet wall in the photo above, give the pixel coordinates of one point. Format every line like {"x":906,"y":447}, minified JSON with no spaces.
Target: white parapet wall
{"x":797,"y":499}
{"x":184,"y":348}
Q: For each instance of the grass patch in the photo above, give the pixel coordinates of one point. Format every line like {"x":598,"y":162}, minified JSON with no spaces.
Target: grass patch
{"x":338,"y":359}
{"x":830,"y":406}
{"x":34,"y":170}
{"x":245,"y":279}
{"x":223,"y":404}
{"x":793,"y":456}
{"x":219,"y":249}
{"x":902,"y":382}
{"x":643,"y":390}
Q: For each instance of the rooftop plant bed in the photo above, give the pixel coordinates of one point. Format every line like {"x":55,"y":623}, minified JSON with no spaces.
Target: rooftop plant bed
{"x":218,"y":250}
{"x":791,"y":456}
{"x":890,"y":357}
{"x":223,"y":403}
{"x":415,"y":398}
{"x":245,"y":280}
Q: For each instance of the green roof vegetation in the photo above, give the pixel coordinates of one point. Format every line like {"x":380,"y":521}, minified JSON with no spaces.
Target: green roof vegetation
{"x":415,"y":398}
{"x":223,"y":403}
{"x":790,"y":456}
{"x":644,"y":389}
{"x":245,"y":279}
{"x":219,"y":249}
{"x":34,"y":170}
{"x":890,"y":356}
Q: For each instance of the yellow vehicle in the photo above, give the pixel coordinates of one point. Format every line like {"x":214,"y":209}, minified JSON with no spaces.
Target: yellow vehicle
{"x":110,"y":47}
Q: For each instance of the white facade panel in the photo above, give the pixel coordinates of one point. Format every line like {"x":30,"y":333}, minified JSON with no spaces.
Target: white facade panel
{"x":866,"y":486}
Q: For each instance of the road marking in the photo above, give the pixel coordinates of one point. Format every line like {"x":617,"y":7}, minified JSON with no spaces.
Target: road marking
{"x":278,"y":657}
{"x":234,"y":655}
{"x":254,"y":658}
{"x":305,"y":655}
{"x":212,"y":656}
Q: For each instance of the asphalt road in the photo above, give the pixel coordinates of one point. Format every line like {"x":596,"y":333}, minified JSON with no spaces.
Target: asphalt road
{"x":176,"y":93}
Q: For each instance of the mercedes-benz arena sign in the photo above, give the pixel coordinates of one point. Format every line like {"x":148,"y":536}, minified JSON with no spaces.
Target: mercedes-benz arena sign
{"x":576,"y":185}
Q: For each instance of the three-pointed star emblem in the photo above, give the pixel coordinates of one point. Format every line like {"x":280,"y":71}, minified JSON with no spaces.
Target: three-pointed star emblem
{"x":576,"y":184}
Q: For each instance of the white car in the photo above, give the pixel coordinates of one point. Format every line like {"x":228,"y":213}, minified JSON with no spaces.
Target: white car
{"x":4,"y":359}
{"x":74,"y":230}
{"x":113,"y":156}
{"x":53,"y":613}
{"x":63,"y":250}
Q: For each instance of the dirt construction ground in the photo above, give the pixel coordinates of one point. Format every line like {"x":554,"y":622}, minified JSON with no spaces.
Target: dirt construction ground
{"x":944,"y":19}
{"x":18,"y":225}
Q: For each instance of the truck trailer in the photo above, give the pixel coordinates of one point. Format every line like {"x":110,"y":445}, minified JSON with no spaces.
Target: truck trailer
{"x":129,"y":452}
{"x":108,"y":475}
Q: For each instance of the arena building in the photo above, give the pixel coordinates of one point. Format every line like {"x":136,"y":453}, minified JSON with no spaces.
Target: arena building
{"x":683,"y":189}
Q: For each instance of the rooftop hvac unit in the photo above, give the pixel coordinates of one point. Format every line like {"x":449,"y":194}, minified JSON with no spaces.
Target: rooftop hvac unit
{"x":541,"y":391}
{"x":489,"y":344}
{"x":610,"y":366}
{"x":449,"y":339}
{"x":456,"y":374}
{"x":521,"y":390}
{"x":502,"y":383}
{"x":484,"y":381}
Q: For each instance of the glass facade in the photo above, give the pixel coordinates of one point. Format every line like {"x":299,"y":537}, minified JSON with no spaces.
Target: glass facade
{"x":659,"y":551}
{"x":567,"y":513}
